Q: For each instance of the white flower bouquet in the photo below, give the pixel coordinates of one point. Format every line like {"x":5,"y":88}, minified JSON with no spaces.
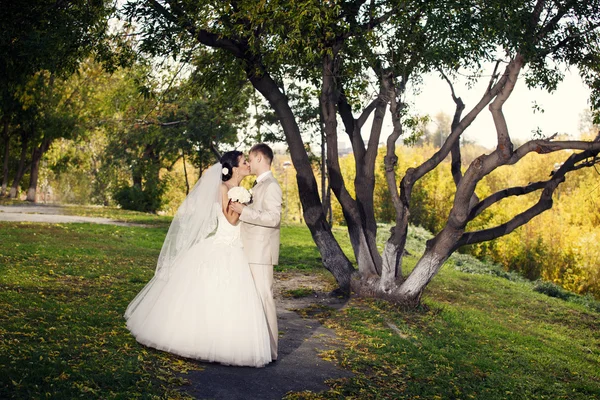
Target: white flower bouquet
{"x":239,"y":194}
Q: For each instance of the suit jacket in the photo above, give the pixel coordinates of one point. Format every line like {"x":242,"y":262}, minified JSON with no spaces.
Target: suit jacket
{"x":261,"y":220}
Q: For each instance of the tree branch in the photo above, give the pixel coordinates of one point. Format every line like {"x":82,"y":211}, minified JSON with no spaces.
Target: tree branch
{"x":207,"y":38}
{"x":503,"y":194}
{"x":456,"y":163}
{"x":505,"y":146}
{"x":544,"y":203}
{"x":216,"y":152}
{"x":567,"y":39}
{"x":345,"y":112}
{"x":414,"y":174}
{"x":367,"y":111}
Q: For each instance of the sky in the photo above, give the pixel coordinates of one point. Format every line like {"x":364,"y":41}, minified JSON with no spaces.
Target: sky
{"x":562,"y":109}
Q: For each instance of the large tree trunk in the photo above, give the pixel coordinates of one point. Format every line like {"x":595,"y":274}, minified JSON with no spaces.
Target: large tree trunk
{"x":330,"y":95}
{"x":136,"y":176}
{"x":14,"y":190}
{"x":38,"y":153}
{"x":436,"y":253}
{"x":332,"y":255}
{"x":364,"y":182}
{"x":445,"y":243}
{"x":391,"y":269}
{"x":6,"y":138}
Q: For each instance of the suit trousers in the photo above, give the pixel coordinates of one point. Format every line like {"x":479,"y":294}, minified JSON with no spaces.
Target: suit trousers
{"x":263,"y":280}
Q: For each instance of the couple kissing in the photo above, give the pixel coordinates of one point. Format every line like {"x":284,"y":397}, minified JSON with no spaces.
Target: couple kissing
{"x":211,"y":297}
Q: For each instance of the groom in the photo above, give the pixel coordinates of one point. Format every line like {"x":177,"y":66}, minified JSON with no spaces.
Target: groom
{"x":260,"y":231}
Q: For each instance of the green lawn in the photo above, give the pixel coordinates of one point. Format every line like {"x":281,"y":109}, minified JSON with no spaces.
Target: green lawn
{"x":64,"y":289}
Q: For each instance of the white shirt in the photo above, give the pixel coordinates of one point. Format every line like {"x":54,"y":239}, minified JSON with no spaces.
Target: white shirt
{"x":263,"y":176}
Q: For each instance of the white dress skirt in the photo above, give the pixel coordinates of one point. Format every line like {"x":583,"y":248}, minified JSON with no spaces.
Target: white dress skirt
{"x":208,"y":309}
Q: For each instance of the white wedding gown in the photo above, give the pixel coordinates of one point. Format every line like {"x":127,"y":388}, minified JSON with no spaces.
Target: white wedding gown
{"x":208,"y":309}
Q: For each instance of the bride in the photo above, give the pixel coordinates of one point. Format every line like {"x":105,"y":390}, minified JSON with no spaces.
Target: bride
{"x":202,"y":302}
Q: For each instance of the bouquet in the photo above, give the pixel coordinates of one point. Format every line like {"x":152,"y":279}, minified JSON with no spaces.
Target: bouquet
{"x":239,"y":194}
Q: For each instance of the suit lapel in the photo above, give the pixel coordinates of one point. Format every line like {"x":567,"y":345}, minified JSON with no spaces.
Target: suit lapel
{"x":263,"y":181}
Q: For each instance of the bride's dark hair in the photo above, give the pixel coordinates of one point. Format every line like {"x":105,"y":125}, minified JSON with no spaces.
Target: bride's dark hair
{"x":229,"y":160}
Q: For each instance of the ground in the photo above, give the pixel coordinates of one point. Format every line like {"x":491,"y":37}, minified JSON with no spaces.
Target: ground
{"x":301,"y":337}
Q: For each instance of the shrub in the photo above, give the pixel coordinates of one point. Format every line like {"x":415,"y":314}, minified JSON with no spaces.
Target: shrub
{"x":472,"y":265}
{"x":136,"y":199}
{"x":552,"y":290}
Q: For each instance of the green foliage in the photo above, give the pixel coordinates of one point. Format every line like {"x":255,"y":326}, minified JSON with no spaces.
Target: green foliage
{"x":132,"y":131}
{"x":135,"y":198}
{"x":552,"y":290}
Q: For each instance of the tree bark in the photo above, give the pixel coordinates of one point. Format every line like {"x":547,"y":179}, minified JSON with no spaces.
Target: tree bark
{"x":436,"y":253}
{"x":334,"y":259}
{"x":6,"y":138}
{"x":364,"y":182}
{"x":14,"y":190}
{"x":393,"y":251}
{"x":36,"y":156}
{"x":187,"y":182}
{"x":350,"y":209}
{"x":444,"y":243}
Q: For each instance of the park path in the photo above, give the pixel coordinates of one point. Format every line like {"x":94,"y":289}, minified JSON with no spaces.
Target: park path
{"x":51,"y":214}
{"x":299,"y":366}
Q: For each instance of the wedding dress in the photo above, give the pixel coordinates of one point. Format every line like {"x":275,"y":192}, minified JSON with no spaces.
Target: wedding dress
{"x":205,"y":306}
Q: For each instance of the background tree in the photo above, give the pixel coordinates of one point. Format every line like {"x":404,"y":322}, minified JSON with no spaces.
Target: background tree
{"x":156,"y":125}
{"x":48,"y":36}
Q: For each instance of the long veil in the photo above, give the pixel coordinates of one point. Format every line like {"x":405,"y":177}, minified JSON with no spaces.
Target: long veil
{"x":195,"y":219}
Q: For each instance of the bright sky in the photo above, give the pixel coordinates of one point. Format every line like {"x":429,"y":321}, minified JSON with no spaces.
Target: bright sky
{"x":562,"y":109}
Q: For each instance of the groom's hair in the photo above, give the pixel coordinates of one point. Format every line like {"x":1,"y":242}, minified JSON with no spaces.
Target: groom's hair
{"x":263,"y":149}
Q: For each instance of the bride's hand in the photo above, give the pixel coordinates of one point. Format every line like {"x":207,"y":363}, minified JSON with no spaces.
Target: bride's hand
{"x":237,"y":207}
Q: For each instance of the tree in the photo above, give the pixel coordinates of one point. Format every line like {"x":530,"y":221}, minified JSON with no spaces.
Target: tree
{"x":50,"y":36}
{"x":153,"y":125}
{"x":343,"y":48}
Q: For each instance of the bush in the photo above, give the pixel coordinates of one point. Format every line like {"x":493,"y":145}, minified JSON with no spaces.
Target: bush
{"x":471,"y":265}
{"x":552,"y":290}
{"x":135,"y":199}
{"x":588,"y":301}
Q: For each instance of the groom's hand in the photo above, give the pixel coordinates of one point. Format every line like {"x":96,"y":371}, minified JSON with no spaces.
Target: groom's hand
{"x":237,"y":207}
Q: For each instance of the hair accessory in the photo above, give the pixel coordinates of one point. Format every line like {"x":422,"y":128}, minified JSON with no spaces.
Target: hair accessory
{"x":225,"y":171}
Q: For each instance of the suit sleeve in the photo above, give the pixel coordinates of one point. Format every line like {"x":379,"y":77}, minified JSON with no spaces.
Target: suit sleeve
{"x":270,"y":215}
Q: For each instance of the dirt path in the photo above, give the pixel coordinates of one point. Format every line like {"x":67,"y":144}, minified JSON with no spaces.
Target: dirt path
{"x":299,"y":366}
{"x":51,"y":215}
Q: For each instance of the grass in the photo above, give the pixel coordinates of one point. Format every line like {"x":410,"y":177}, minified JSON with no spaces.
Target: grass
{"x":299,"y":292}
{"x":64,"y":288}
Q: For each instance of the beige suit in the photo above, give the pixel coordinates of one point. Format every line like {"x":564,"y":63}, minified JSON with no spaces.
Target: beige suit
{"x":260,"y":235}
